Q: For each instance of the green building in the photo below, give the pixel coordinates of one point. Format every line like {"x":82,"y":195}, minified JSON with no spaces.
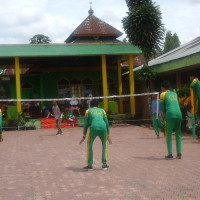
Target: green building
{"x":88,"y":62}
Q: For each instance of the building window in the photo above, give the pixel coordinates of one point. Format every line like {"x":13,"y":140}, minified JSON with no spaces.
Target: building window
{"x":75,"y":88}
{"x":27,"y":86}
{"x":63,"y":81}
{"x":87,"y":87}
{"x":63,"y":88}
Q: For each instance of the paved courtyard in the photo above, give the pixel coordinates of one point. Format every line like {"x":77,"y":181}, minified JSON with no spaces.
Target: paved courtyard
{"x":37,"y":165}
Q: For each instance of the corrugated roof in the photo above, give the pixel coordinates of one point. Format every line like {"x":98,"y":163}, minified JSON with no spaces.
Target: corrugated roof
{"x":172,"y":59}
{"x":93,"y":26}
{"x":187,"y":49}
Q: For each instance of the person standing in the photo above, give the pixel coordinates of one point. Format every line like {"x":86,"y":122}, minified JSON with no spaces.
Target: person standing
{"x":74,"y":102}
{"x":1,"y":135}
{"x":195,"y":84}
{"x":97,"y":120}
{"x":58,"y":116}
{"x":156,"y":121}
{"x":89,"y":101}
{"x":173,"y":118}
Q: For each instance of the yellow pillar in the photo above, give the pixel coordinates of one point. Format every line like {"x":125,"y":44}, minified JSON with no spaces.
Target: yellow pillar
{"x":131,"y":84}
{"x":17,"y":78}
{"x":119,"y":72}
{"x":192,"y":100}
{"x":104,"y":82}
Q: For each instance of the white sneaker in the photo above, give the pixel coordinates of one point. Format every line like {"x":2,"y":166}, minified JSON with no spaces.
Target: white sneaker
{"x":105,"y":166}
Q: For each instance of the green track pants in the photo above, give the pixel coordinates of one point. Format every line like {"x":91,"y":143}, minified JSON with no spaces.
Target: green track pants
{"x":173,"y":125}
{"x":0,"y":123}
{"x":197,"y":109}
{"x":103,"y":137}
{"x":157,"y":123}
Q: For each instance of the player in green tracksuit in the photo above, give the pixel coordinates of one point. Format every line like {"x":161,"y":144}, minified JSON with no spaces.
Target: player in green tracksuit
{"x":1,"y":136}
{"x":97,"y":120}
{"x":195,"y":84}
{"x":173,"y":118}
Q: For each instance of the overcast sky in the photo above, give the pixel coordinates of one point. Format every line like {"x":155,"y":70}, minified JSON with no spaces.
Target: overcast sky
{"x":20,"y":20}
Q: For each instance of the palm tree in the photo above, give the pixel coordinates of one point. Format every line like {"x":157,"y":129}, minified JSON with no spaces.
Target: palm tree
{"x":143,"y":26}
{"x":144,"y":29}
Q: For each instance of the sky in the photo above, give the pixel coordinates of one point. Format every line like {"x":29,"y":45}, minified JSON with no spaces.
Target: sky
{"x":20,"y":20}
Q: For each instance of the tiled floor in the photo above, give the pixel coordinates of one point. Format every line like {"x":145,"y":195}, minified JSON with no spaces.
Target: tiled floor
{"x":37,"y":165}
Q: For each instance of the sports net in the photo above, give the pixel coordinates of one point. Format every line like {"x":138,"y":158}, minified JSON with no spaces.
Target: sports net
{"x":38,"y":113}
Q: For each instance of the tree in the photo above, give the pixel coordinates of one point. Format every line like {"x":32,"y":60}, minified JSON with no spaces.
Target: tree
{"x":40,"y":39}
{"x":145,"y":75}
{"x":144,"y":29}
{"x":124,"y":40}
{"x":143,"y":26}
{"x":171,"y":42}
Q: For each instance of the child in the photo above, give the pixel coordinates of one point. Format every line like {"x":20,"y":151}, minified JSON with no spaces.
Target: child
{"x":58,"y":116}
{"x":157,"y":123}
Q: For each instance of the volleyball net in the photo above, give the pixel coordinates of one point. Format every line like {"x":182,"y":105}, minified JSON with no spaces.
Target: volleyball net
{"x":38,"y":113}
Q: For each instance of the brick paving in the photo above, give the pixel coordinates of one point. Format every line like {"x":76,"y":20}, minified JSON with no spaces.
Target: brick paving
{"x":37,"y":165}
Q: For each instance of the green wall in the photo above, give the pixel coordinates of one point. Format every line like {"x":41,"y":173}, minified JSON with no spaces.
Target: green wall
{"x":25,"y":92}
{"x":47,"y":82}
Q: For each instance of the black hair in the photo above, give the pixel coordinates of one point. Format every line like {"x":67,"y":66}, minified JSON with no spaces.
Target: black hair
{"x":94,"y":103}
{"x":165,"y":84}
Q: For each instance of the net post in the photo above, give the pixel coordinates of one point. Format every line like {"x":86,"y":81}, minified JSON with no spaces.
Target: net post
{"x":193,"y":114}
{"x":158,"y":104}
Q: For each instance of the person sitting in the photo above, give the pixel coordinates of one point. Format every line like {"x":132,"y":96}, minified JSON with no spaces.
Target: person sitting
{"x":73,"y":102}
{"x":46,"y":112}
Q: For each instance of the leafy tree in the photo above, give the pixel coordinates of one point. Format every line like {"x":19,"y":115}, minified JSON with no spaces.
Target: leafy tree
{"x":124,"y":40}
{"x":145,"y":75}
{"x":171,"y":42}
{"x":143,"y":26}
{"x":40,"y":39}
{"x":144,"y":29}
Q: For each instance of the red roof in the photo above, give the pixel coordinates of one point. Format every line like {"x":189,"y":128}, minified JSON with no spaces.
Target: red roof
{"x":93,"y":26}
{"x":11,"y":72}
{"x":137,"y":61}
